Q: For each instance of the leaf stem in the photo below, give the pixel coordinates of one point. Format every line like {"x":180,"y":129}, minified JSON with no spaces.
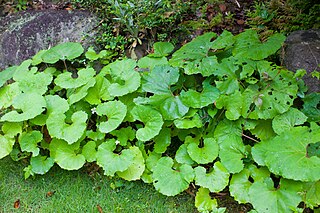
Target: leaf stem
{"x":246,"y":136}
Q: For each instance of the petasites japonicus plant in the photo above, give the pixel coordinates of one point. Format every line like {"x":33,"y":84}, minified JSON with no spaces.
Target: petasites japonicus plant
{"x":216,"y":115}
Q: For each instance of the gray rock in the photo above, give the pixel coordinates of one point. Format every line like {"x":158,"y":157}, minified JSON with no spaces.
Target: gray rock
{"x":303,"y":52}
{"x":25,"y":33}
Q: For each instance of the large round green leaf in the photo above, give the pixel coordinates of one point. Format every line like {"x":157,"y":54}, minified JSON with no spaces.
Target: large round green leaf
{"x":290,"y":147}
{"x":64,"y":51}
{"x":41,"y":164}
{"x":152,"y":120}
{"x":71,"y":133}
{"x":215,"y":180}
{"x":206,"y":154}
{"x":136,"y":169}
{"x":8,"y":94}
{"x":66,"y":155}
{"x":31,"y":105}
{"x":114,"y":162}
{"x":170,"y":181}
{"x":205,"y":203}
{"x":65,"y":80}
{"x":115,"y":112}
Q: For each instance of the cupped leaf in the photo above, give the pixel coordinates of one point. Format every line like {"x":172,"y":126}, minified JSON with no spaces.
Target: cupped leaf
{"x":124,"y":77}
{"x":284,"y":122}
{"x":71,"y":133}
{"x":159,"y":80}
{"x":56,"y":104}
{"x":6,"y":145}
{"x":162,"y":141}
{"x":182,"y":155}
{"x":114,"y":162}
{"x":77,"y":94}
{"x":7,"y":74}
{"x":225,"y":40}
{"x":29,"y":142}
{"x":64,"y":51}
{"x":311,"y":194}
{"x":31,"y":105}
{"x":11,"y":129}
{"x":232,"y":104}
{"x":194,"y":99}
{"x":65,"y":80}
{"x":205,"y":66}
{"x":65,"y":155}
{"x":152,"y":120}
{"x":41,"y":164}
{"x":147,"y":63}
{"x":136,"y":169}
{"x":290,"y":147}
{"x":206,"y":154}
{"x":215,"y":180}
{"x":188,"y":123}
{"x":115,"y":112}
{"x":170,"y":181}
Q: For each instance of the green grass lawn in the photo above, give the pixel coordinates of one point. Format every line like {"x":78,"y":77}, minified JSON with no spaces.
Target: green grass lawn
{"x":76,"y":191}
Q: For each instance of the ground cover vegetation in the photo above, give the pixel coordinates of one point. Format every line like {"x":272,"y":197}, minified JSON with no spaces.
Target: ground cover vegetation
{"x":214,"y":115}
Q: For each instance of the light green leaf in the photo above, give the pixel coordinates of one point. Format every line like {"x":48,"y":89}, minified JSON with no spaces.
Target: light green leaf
{"x":263,"y":129}
{"x":64,"y":51}
{"x":115,"y":112}
{"x":188,"y":123}
{"x":37,"y":58}
{"x":7,"y":74}
{"x":152,"y":120}
{"x":89,"y":151}
{"x":283,"y":199}
{"x":215,"y":180}
{"x":232,"y":150}
{"x":124,"y":77}
{"x":6,"y":145}
{"x":170,"y":181}
{"x":173,"y":108}
{"x":71,"y":133}
{"x":161,"y":49}
{"x":311,"y":195}
{"x":8,"y":94}
{"x":290,"y":147}
{"x":31,"y":105}
{"x":11,"y":129}
{"x":195,"y":99}
{"x":205,"y":66}
{"x":112,"y":162}
{"x":56,"y":104}
{"x":206,"y":154}
{"x":65,"y":80}
{"x":225,"y":40}
{"x":41,"y":164}
{"x":29,"y":142}
{"x":66,"y":155}
{"x":162,"y":141}
{"x":99,"y":91}
{"x":232,"y":103}
{"x":92,"y":55}
{"x":124,"y":135}
{"x":31,"y":82}
{"x":284,"y":122}
{"x":75,"y":95}
{"x":182,"y":155}
{"x":205,"y":203}
{"x":240,"y":185}
{"x":159,"y":80}
{"x":136,"y":168}
{"x":148,"y":63}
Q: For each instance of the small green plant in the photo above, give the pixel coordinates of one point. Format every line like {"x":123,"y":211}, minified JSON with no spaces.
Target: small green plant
{"x":216,"y":115}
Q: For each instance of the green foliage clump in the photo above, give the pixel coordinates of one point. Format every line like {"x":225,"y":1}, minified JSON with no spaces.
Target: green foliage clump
{"x":215,"y":115}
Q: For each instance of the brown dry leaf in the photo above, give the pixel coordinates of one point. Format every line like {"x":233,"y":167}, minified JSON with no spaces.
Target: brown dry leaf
{"x":16,"y":204}
{"x":222,"y":7}
{"x":99,"y":209}
{"x":240,"y":21}
{"x":49,"y":194}
{"x":168,"y":14}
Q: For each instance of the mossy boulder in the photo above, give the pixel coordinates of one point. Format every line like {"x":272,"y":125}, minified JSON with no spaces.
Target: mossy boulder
{"x":25,"y":33}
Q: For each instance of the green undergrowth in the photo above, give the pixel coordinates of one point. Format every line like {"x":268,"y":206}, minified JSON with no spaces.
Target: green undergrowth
{"x":76,"y":191}
{"x":215,"y":115}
